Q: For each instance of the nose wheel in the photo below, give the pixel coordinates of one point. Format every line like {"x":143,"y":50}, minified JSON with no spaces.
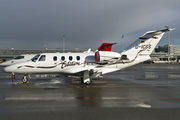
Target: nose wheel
{"x":25,"y":79}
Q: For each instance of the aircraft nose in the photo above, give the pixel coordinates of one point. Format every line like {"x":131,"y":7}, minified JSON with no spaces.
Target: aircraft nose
{"x":5,"y":63}
{"x":2,"y":64}
{"x":8,"y":69}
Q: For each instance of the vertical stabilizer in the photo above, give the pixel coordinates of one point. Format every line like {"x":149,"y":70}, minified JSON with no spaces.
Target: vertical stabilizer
{"x":145,"y":44}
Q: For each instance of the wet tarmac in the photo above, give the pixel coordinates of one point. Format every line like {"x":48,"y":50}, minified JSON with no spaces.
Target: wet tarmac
{"x":141,"y":92}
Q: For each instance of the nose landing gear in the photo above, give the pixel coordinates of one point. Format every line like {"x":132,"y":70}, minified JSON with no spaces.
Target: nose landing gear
{"x":13,"y":77}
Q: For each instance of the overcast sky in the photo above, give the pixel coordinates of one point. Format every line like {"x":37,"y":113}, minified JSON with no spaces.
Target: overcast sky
{"x":31,"y":24}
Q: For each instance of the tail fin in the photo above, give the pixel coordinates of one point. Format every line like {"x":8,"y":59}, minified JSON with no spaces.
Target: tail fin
{"x":106,"y":47}
{"x":145,"y":44}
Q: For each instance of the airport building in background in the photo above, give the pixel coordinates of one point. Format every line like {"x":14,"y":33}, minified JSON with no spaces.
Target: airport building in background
{"x":173,"y":49}
{"x":161,"y":52}
{"x":12,"y":53}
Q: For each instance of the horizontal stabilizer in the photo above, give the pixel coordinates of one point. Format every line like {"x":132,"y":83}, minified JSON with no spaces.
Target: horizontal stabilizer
{"x":152,"y":34}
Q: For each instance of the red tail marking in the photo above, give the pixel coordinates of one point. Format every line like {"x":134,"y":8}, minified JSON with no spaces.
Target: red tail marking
{"x":106,"y":47}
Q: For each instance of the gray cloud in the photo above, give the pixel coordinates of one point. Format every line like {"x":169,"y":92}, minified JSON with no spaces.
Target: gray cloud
{"x":86,"y":24}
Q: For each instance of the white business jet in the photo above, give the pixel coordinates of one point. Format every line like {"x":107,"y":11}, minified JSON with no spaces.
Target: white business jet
{"x":18,"y":59}
{"x":90,"y":64}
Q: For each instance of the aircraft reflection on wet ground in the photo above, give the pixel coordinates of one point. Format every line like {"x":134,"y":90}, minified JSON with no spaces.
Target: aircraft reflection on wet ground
{"x":157,"y":74}
{"x":141,"y":86}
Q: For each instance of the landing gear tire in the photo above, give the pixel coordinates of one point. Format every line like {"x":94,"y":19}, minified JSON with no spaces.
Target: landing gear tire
{"x":88,"y":82}
{"x":82,"y":81}
{"x":25,"y":79}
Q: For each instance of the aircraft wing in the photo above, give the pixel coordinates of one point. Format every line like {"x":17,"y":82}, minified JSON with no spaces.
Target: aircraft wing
{"x":80,"y":72}
{"x":75,"y":71}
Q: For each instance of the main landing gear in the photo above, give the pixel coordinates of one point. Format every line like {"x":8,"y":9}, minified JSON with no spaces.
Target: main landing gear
{"x":25,"y":79}
{"x":86,"y":79}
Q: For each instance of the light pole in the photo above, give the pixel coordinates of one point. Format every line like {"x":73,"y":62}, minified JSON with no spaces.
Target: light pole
{"x":168,"y":47}
{"x":122,"y":42}
{"x":168,"y":42}
{"x":63,"y":43}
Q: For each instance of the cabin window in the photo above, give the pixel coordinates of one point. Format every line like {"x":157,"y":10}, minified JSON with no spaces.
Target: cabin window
{"x":62,"y":58}
{"x":70,"y":58}
{"x":42,"y":58}
{"x":55,"y":58}
{"x":19,"y":57}
{"x":34,"y":59}
{"x":78,"y":58}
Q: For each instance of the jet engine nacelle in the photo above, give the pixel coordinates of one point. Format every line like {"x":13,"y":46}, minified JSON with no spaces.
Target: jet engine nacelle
{"x":103,"y":57}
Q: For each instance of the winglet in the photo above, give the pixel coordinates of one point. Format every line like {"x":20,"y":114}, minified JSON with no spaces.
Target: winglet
{"x":106,"y":47}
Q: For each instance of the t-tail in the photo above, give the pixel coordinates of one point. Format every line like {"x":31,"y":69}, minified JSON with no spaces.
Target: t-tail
{"x":145,"y":44}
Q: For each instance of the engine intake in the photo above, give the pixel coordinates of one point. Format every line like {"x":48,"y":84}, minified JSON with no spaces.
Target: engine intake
{"x":103,"y":57}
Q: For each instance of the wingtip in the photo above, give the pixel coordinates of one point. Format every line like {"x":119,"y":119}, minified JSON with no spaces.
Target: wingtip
{"x":172,"y":29}
{"x":169,"y":29}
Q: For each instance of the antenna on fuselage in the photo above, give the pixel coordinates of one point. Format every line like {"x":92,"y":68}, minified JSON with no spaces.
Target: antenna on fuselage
{"x":63,"y":43}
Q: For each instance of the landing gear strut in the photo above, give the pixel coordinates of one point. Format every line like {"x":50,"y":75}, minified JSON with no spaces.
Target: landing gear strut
{"x":13,"y":77}
{"x":86,"y":79}
{"x":25,"y":79}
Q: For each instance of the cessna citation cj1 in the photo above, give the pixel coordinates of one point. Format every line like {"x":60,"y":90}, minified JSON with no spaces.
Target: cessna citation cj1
{"x":90,"y":64}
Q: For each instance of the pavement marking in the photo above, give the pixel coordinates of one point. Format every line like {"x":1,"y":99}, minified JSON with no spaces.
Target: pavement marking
{"x":103,"y":98}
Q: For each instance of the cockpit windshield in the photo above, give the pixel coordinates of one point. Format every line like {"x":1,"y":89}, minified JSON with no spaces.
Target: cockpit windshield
{"x":19,"y":57}
{"x":34,"y":59}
